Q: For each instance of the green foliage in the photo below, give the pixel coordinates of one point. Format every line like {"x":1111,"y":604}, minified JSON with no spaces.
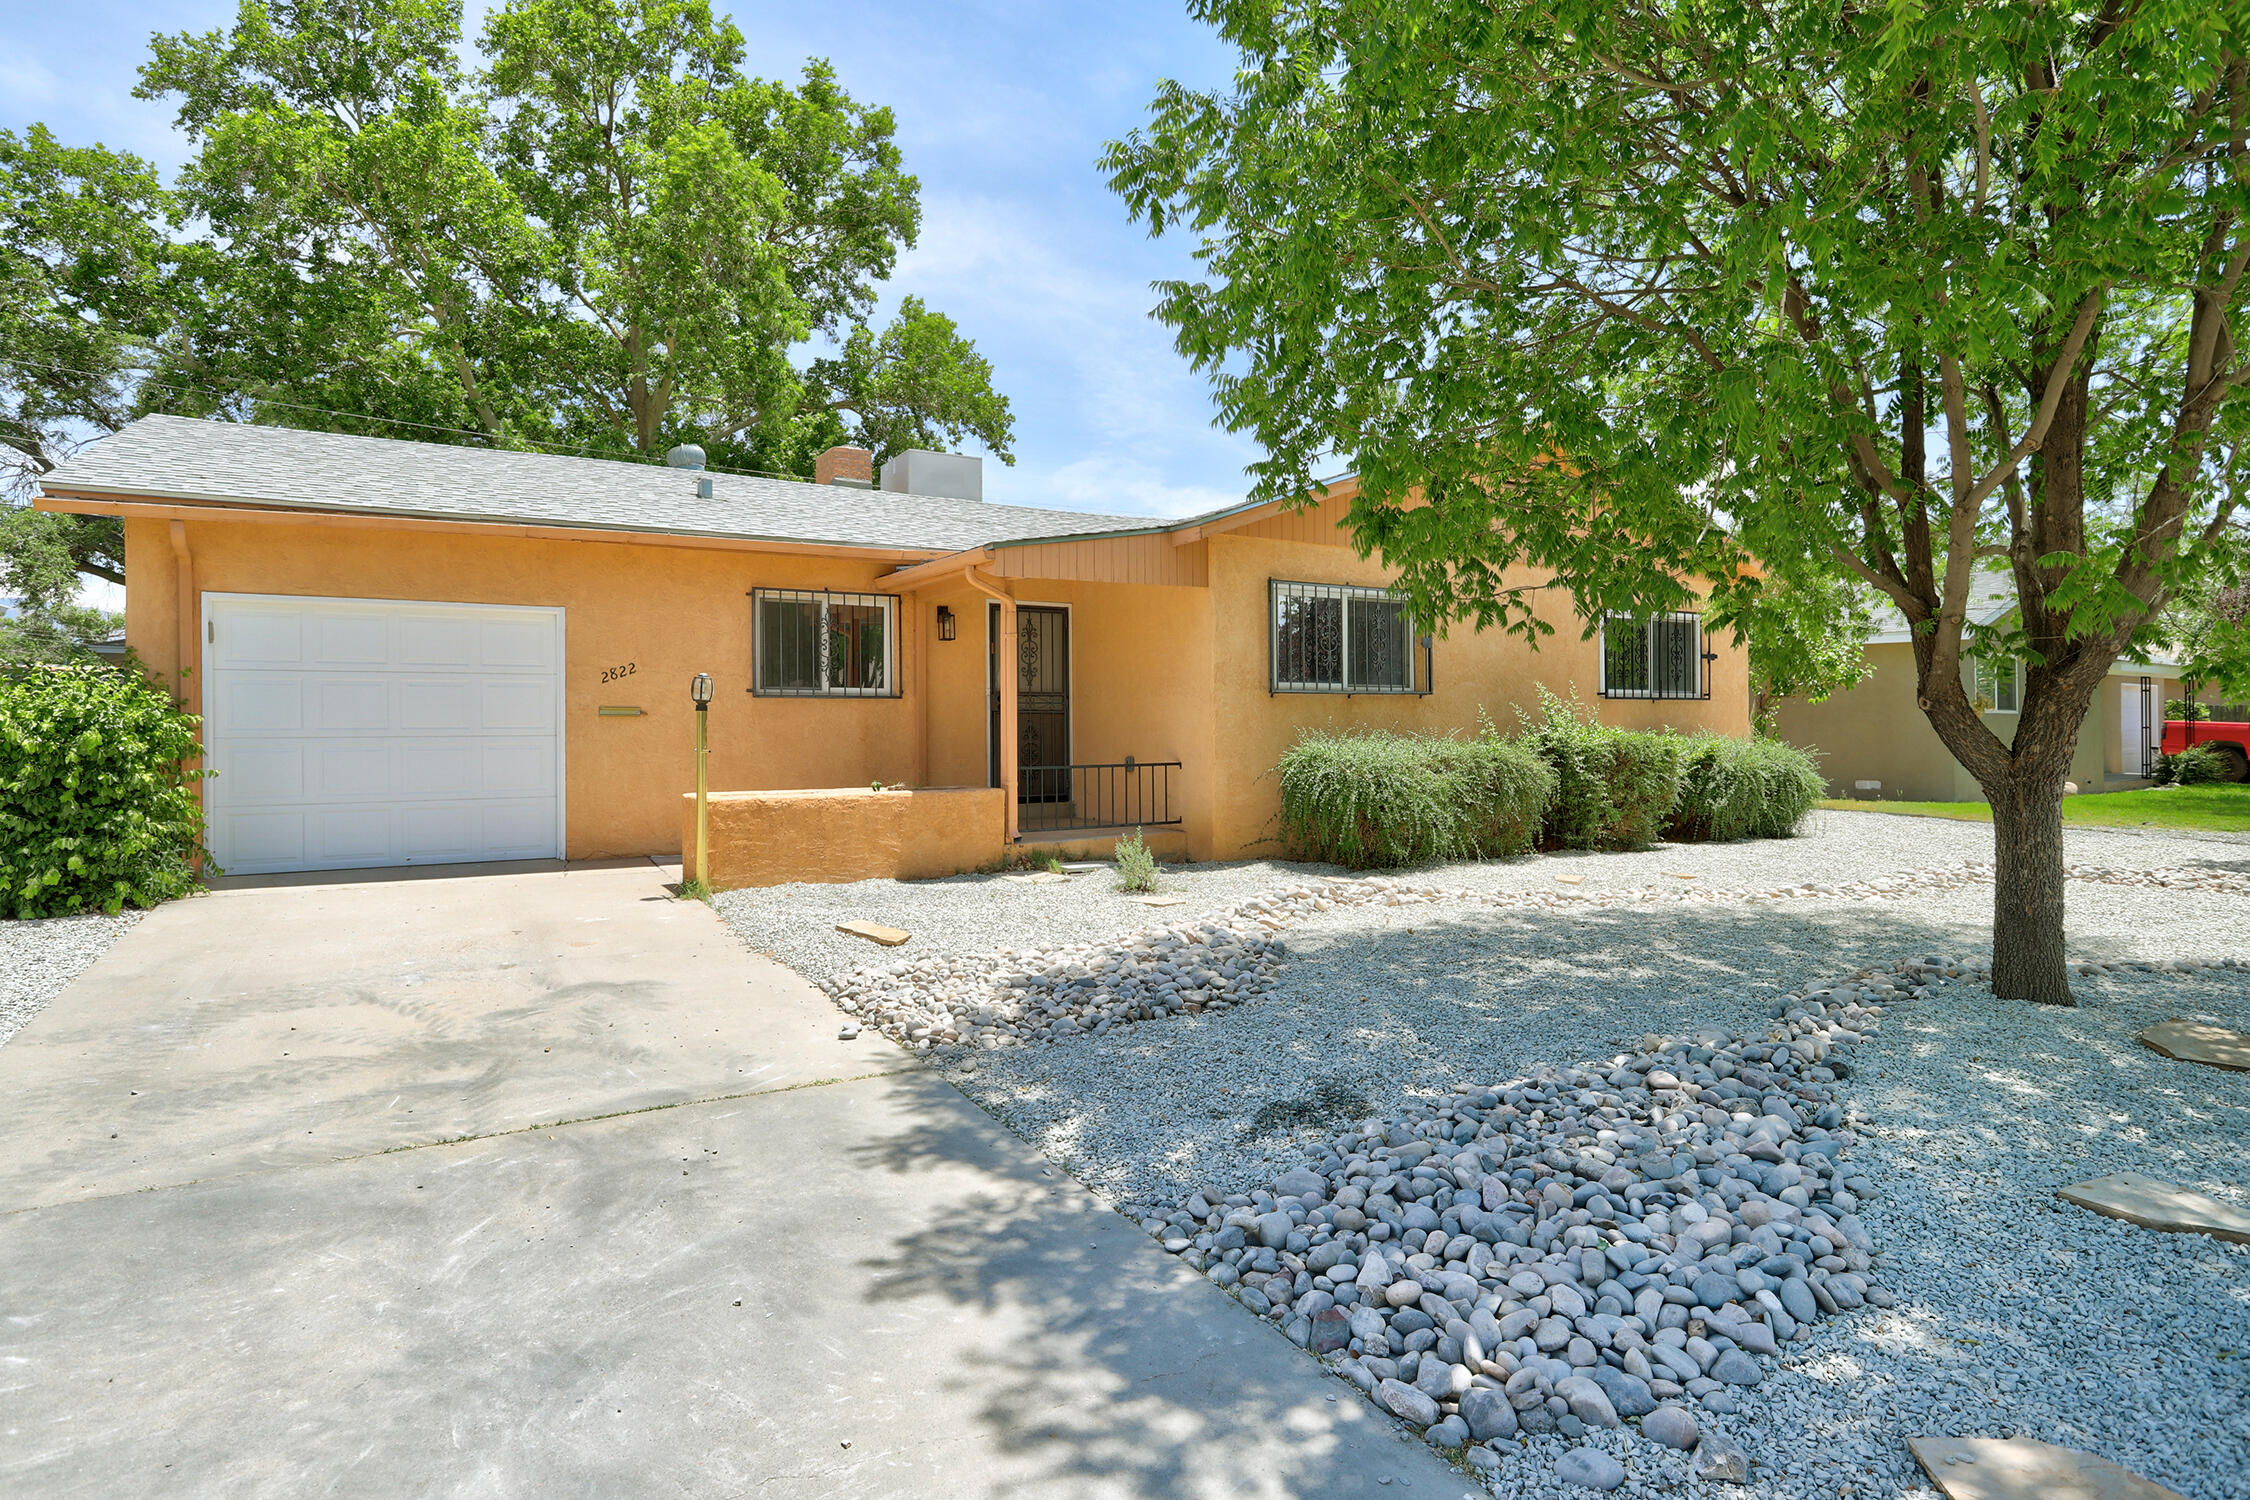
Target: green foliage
{"x":1630,"y":295}
{"x":1136,"y":867}
{"x":1743,"y":789}
{"x":95,"y":810}
{"x":1805,"y":640}
{"x":1614,"y":788}
{"x":82,"y":257}
{"x":601,"y":232}
{"x":1369,"y":799}
{"x":2196,"y":765}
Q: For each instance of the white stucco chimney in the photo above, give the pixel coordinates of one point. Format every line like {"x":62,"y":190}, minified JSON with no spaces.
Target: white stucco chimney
{"x":918,"y":471}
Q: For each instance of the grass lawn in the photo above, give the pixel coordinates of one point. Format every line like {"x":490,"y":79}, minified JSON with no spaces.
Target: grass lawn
{"x":2225,"y":808}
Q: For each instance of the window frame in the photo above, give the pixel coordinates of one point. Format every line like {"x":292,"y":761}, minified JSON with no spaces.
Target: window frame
{"x":1700,"y":657}
{"x":827,"y":600}
{"x":1419,"y":674}
{"x":1988,"y":669}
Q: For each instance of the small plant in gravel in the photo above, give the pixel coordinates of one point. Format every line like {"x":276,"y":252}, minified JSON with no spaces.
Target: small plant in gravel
{"x":1743,"y":789}
{"x":96,"y":809}
{"x":1136,"y":867}
{"x":1368,"y":799}
{"x":1614,"y":788}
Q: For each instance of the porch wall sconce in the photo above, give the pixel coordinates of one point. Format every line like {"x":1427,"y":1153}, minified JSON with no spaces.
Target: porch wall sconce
{"x":945,"y":622}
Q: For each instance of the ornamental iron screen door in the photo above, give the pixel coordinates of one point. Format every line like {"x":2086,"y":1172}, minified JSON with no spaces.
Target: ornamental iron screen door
{"x":1041,"y":661}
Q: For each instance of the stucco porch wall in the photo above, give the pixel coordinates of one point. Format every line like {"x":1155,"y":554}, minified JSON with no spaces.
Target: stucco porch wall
{"x":840,"y":834}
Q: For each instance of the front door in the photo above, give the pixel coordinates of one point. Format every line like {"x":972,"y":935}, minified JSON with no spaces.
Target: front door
{"x":1042,"y":668}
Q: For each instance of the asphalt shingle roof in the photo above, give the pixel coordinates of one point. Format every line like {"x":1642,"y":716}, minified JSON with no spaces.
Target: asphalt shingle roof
{"x":181,"y":458}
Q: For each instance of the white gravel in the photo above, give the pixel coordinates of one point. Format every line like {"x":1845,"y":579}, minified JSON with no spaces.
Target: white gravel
{"x":2016,"y":1316}
{"x":38,"y":958}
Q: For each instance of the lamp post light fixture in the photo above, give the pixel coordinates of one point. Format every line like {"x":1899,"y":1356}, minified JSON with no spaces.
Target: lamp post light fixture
{"x":699,"y":691}
{"x":945,"y":622}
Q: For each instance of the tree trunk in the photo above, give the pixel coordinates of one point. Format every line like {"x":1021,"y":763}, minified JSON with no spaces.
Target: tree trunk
{"x":2028,"y":957}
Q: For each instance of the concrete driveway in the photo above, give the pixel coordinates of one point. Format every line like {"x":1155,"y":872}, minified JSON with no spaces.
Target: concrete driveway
{"x":542,"y":1184}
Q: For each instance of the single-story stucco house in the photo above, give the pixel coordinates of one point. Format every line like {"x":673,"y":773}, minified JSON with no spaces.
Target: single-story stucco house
{"x":1875,"y":741}
{"x":408,"y":652}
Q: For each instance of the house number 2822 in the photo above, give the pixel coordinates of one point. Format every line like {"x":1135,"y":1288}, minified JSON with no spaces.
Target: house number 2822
{"x":612,"y":674}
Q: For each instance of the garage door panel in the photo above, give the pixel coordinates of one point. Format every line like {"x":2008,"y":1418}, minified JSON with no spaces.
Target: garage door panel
{"x":517,"y":705}
{"x":442,"y":705}
{"x":264,"y":637}
{"x":258,"y":772}
{"x":260,"y":702}
{"x":254,"y":842}
{"x":351,"y":639}
{"x":523,"y":644}
{"x":432,"y":639}
{"x":516,"y":768}
{"x":351,"y":705}
{"x":356,"y":733}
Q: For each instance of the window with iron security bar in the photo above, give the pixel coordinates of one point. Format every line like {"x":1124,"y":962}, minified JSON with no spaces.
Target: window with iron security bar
{"x":1343,"y":638}
{"x":1660,"y":656}
{"x":813,"y":643}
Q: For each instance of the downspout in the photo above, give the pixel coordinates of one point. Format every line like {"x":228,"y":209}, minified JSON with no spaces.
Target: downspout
{"x":186,"y":612}
{"x":186,"y":615}
{"x":1009,"y":749}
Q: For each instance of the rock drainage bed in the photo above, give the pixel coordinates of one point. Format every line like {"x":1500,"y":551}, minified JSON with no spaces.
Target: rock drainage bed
{"x":1892,"y":1138}
{"x":37,"y":959}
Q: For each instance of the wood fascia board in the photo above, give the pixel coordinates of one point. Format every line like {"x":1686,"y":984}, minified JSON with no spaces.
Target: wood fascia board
{"x":94,"y":503}
{"x":923,"y":574}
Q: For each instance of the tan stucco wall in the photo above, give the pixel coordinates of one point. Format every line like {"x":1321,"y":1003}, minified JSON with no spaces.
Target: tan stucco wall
{"x":669,"y":611}
{"x":852,"y":833}
{"x":1877,"y":732}
{"x":1472,"y":671}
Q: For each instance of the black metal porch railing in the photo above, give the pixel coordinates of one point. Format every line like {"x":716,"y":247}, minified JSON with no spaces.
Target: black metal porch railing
{"x":1130,"y":794}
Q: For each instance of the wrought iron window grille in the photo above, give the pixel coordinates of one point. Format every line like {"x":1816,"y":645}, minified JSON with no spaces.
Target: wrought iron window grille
{"x":1655,"y":656}
{"x":819,"y":643}
{"x":1343,"y":638}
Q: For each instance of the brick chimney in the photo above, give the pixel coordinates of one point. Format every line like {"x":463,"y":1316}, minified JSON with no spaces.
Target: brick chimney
{"x":847,"y":466}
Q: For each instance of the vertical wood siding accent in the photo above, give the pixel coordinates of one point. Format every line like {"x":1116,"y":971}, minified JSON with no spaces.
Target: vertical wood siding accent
{"x":1118,"y":559}
{"x":1322,"y":525}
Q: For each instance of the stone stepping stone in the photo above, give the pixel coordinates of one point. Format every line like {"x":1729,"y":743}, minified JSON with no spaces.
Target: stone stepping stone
{"x":874,"y":932}
{"x":2020,"y":1469}
{"x":1160,"y":900}
{"x":1679,"y":875}
{"x":1570,"y":879}
{"x":2154,"y":1204}
{"x":2193,"y":1041}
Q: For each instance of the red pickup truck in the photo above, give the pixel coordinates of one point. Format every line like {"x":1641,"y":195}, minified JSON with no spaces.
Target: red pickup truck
{"x":2230,"y":736}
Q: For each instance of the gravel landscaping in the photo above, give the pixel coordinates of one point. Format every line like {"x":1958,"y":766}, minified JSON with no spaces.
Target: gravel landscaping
{"x":1257,"y":1030}
{"x":38,"y":958}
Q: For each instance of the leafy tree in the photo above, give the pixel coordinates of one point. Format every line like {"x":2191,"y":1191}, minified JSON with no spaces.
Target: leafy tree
{"x":606,"y":237}
{"x":82,"y":260}
{"x":1627,"y":292}
{"x":1805,"y":640}
{"x":2208,"y":627}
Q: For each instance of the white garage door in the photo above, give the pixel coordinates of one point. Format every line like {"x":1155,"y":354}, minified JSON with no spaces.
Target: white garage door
{"x":359,"y":732}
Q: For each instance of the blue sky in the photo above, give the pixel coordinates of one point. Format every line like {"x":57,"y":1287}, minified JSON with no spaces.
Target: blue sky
{"x":1002,"y":109}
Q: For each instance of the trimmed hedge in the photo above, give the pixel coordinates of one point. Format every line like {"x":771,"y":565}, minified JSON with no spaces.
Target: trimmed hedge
{"x":1743,"y":789}
{"x":95,"y":810}
{"x":1614,"y":788}
{"x":1369,"y":799}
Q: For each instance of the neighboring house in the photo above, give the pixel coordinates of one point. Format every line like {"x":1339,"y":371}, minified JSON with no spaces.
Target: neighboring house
{"x":412,"y":652}
{"x":1875,"y":741}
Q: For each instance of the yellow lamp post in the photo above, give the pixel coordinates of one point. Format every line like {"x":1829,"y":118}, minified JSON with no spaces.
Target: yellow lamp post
{"x":700,"y":691}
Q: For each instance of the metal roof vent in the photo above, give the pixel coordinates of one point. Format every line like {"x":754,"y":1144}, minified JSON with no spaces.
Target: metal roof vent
{"x":918,"y":471}
{"x":686,"y":456}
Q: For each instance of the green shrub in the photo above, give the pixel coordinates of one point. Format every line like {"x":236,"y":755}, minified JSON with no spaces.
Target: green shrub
{"x":2197,"y":765}
{"x":1373,"y":799}
{"x":1614,"y":788}
{"x":95,"y":810}
{"x":1136,"y":867}
{"x":1743,"y":789}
